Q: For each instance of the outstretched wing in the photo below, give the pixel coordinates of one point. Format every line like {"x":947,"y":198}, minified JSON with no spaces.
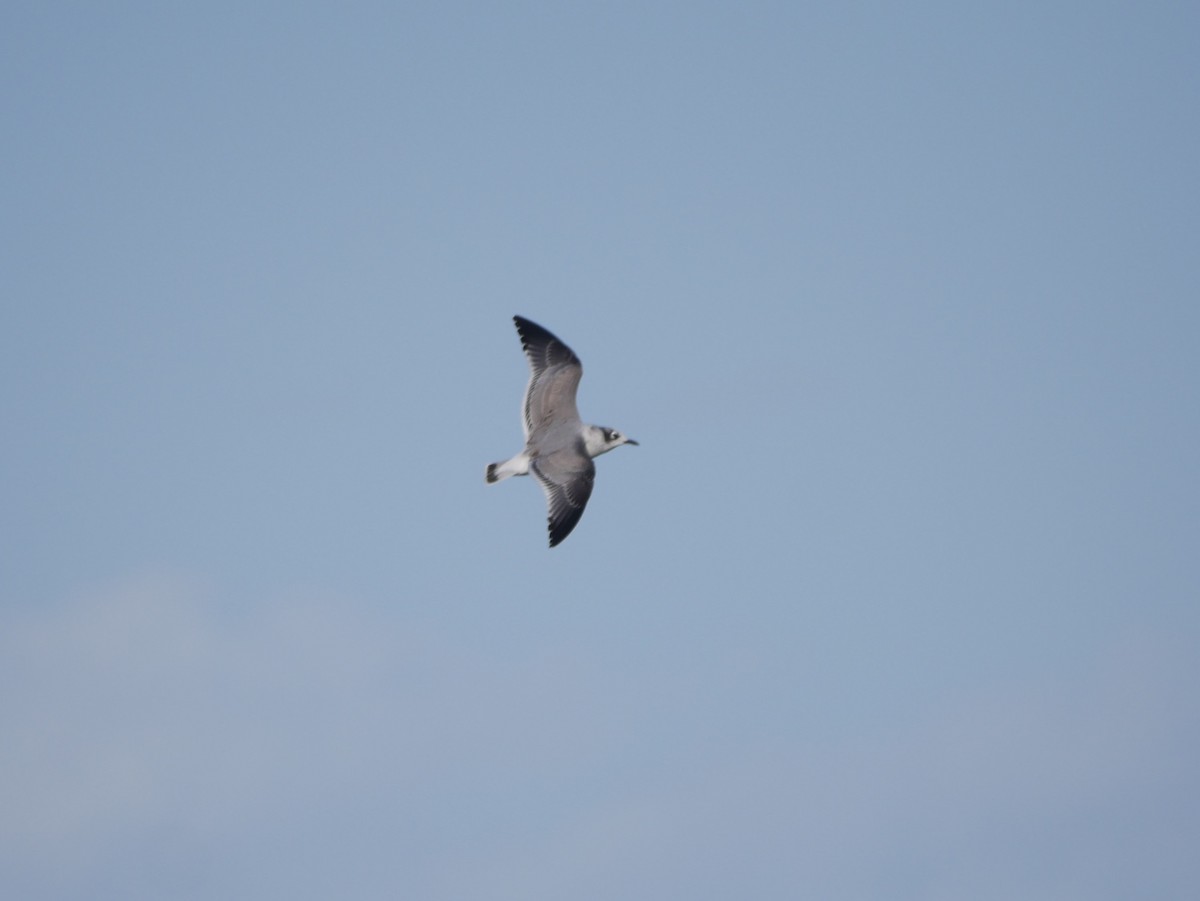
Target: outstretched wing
{"x":567,"y":477}
{"x":554,"y":378}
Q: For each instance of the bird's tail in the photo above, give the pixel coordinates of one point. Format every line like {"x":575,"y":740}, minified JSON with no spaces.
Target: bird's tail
{"x":517,"y":466}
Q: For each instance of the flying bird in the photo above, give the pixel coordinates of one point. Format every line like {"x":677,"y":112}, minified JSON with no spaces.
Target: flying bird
{"x":559,"y":447}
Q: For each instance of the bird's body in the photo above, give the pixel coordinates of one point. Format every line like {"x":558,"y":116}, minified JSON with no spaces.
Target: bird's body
{"x":559,"y":446}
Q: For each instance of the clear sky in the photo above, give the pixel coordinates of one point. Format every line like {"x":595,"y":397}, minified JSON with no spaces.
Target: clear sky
{"x":898,"y":598}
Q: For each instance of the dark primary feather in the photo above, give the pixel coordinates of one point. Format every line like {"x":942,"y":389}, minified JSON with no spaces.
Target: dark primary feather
{"x":542,"y":347}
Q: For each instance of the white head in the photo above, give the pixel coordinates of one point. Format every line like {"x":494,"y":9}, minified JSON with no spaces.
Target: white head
{"x":600,"y":439}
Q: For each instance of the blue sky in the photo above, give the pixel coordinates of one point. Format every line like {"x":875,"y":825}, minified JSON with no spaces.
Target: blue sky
{"x":897,"y":598}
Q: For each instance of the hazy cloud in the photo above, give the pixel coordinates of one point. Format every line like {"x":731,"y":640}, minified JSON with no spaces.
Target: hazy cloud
{"x":155,"y":740}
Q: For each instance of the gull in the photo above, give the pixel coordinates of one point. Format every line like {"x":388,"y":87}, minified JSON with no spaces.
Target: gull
{"x":559,"y":447}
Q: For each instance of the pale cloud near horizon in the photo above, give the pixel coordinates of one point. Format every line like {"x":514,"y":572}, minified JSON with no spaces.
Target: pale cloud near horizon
{"x":148,"y":720}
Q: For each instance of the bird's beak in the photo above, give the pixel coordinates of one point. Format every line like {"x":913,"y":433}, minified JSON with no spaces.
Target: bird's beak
{"x":631,"y":441}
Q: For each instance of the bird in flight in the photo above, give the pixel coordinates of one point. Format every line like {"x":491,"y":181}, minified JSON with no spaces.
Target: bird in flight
{"x":559,"y":447}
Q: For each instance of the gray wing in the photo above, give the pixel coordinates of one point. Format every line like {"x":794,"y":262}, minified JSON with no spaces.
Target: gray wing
{"x":554,"y":378}
{"x":567,"y":477}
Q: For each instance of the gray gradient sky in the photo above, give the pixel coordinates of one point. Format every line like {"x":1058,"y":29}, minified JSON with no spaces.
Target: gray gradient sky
{"x":896,"y":599}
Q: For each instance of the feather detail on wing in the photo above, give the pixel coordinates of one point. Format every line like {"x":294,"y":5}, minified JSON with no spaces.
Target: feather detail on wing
{"x":567,"y":478}
{"x":555,"y":372}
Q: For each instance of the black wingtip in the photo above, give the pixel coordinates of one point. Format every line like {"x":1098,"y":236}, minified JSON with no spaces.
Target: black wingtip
{"x":542,"y":345}
{"x":563,"y":526}
{"x":529,"y":330}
